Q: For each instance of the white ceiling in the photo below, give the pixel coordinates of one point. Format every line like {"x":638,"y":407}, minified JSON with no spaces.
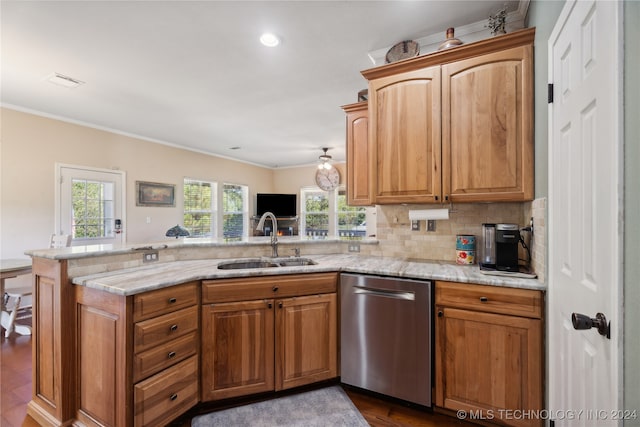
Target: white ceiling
{"x":193,"y":74}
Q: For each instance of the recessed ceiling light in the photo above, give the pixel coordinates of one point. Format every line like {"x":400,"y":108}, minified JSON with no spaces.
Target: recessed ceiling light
{"x":62,"y":80}
{"x":269,"y":40}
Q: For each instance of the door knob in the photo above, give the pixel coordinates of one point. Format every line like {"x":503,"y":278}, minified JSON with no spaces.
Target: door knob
{"x":582,"y":321}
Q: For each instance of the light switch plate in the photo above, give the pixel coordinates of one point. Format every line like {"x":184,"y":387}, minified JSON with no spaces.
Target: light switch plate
{"x":431,"y":225}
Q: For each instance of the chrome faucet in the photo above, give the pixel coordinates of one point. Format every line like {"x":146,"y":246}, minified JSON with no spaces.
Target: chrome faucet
{"x":274,"y":231}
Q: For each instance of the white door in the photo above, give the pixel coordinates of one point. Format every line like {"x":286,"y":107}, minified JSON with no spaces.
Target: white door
{"x":90,"y":205}
{"x":585,"y":209}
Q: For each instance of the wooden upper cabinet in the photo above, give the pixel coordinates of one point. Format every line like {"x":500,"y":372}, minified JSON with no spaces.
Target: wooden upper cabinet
{"x":358,"y":154}
{"x":454,"y":125}
{"x":487,"y":135}
{"x":404,"y":118}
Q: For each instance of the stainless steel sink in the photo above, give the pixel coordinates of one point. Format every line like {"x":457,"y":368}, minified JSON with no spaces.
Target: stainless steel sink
{"x":238,"y":265}
{"x":296,"y":262}
{"x":262,"y":263}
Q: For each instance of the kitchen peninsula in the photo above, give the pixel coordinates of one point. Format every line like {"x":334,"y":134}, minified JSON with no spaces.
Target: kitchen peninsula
{"x":106,"y":325}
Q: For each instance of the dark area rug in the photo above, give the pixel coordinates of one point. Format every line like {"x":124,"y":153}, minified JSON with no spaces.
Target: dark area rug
{"x":319,"y":408}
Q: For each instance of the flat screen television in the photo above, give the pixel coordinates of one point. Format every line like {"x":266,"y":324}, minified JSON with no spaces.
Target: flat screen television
{"x":281,"y":205}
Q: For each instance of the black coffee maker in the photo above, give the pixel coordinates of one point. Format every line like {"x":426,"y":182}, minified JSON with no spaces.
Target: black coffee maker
{"x":500,"y":247}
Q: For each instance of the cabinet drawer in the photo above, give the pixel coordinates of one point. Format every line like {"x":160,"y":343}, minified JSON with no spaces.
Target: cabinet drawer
{"x":492,"y":299}
{"x":161,"y":329}
{"x":160,"y":357}
{"x":250,"y":288}
{"x":166,"y":395}
{"x":155,"y":303}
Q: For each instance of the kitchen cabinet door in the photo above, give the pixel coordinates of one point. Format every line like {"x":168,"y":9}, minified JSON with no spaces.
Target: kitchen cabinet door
{"x":237,"y":349}
{"x":306,"y":340}
{"x":488,"y":364}
{"x":358,"y":154}
{"x":404,"y":130}
{"x":487,"y":127}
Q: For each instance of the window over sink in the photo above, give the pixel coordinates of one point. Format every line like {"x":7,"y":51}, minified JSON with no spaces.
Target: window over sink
{"x":327,"y":214}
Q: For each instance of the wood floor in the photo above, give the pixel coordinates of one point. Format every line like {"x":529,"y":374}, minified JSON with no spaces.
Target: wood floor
{"x":15,"y":377}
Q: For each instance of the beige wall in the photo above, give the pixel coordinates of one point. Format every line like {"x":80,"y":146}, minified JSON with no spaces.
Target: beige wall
{"x":31,"y":146}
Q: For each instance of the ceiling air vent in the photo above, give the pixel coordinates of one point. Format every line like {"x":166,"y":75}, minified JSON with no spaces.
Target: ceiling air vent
{"x":62,"y":80}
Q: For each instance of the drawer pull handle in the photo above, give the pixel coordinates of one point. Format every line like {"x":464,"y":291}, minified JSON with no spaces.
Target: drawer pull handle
{"x":174,"y":396}
{"x":172,"y":300}
{"x":275,"y":289}
{"x":171,"y":354}
{"x":173,"y":328}
{"x":484,"y":299}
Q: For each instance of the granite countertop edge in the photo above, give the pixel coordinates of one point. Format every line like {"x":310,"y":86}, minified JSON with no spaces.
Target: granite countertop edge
{"x":157,"y":276}
{"x":88,"y":251}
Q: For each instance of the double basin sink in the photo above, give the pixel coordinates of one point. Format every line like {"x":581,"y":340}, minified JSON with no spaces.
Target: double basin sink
{"x":265,"y":263}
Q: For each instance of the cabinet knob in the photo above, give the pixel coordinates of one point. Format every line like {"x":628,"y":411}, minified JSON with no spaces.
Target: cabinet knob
{"x":436,"y":197}
{"x":275,"y":289}
{"x":446,"y":198}
{"x":270,"y":305}
{"x":280,"y":304}
{"x":484,"y":299}
{"x":173,"y":328}
{"x":174,"y":396}
{"x":172,"y":300}
{"x":440,"y":313}
{"x":171,"y":354}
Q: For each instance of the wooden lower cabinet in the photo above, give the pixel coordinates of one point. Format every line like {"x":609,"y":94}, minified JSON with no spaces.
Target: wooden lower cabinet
{"x":237,"y":348}
{"x":489,"y":352}
{"x":271,"y":343}
{"x":306,"y":340}
{"x":137,"y":356}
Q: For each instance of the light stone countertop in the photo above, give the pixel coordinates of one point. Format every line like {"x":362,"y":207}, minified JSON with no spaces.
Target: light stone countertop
{"x":146,"y":278}
{"x":89,"y":251}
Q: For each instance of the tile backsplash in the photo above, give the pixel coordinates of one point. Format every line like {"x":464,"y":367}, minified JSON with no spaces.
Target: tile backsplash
{"x":396,"y":239}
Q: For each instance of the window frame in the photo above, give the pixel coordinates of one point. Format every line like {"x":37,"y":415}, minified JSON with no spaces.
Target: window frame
{"x":213,"y":232}
{"x":332,"y":196}
{"x":244,"y":212}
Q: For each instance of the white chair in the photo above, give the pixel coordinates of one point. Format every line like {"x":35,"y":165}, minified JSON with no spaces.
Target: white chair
{"x":15,"y":295}
{"x":60,"y":241}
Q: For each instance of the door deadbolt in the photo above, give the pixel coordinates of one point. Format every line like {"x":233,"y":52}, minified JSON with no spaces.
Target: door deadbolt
{"x":582,"y":321}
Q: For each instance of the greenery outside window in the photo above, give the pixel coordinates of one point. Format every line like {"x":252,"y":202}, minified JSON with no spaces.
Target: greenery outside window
{"x":235,"y":208}
{"x":93,"y":209}
{"x":327,"y":214}
{"x":351,"y":220}
{"x":315,"y":212}
{"x":199,"y":207}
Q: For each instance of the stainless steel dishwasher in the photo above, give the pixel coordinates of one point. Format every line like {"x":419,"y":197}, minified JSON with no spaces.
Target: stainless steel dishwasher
{"x":386,"y":330}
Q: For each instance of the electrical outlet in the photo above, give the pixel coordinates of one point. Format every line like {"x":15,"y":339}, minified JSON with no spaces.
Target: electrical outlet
{"x":415,"y":225}
{"x":354,"y":247}
{"x":150,"y":256}
{"x":431,"y":225}
{"x":531,"y":225}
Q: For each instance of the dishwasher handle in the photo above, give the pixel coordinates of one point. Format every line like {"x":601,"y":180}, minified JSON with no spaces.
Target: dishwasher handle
{"x":386,"y":293}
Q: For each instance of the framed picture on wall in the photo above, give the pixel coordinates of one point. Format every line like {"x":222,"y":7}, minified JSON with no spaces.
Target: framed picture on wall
{"x":155,"y":194}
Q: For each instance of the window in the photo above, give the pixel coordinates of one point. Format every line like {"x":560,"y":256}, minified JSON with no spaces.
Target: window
{"x":315,"y":212}
{"x":235,"y":208}
{"x":351,"y":219}
{"x":92,"y":209}
{"x":199,"y":207}
{"x":327,"y":214}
